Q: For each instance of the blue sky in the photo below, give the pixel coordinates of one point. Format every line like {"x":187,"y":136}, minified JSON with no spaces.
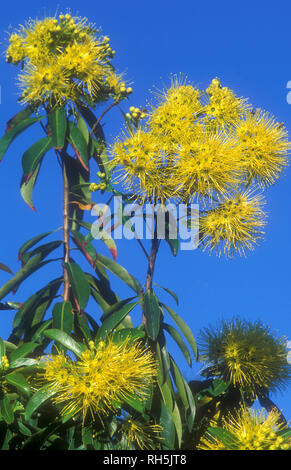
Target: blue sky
{"x":247,"y":46}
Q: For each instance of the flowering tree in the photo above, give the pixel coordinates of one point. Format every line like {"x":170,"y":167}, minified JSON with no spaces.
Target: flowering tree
{"x":77,"y":380}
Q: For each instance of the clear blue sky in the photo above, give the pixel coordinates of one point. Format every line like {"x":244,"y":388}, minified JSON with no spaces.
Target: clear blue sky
{"x":248,"y":46}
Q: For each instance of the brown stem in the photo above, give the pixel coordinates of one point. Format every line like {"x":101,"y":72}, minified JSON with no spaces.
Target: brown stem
{"x":66,"y":231}
{"x":101,"y":117}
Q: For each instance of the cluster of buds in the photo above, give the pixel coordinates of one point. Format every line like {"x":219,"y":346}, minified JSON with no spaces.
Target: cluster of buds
{"x":4,"y":364}
{"x":101,"y":186}
{"x":135,"y":114}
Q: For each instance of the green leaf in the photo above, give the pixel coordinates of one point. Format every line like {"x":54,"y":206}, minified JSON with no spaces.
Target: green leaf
{"x":178,"y":379}
{"x":32,"y":311}
{"x":19,"y":117}
{"x":57,"y":121}
{"x":23,"y":362}
{"x":26,"y":187}
{"x":152,"y":314}
{"x":183,"y":327}
{"x":80,"y":284}
{"x":22,"y":350}
{"x":63,"y":317}
{"x":18,"y":381}
{"x":31,"y":266}
{"x":39,"y":332}
{"x":66,"y":340}
{"x":178,"y":424}
{"x":2,"y":349}
{"x":169,"y":291}
{"x":116,"y":306}
{"x":37,"y":400}
{"x":119,"y":271}
{"x":168,"y":428}
{"x":85,"y":247}
{"x":33,"y":156}
{"x":10,"y":135}
{"x":44,"y":249}
{"x":5,"y":268}
{"x":31,"y":242}
{"x":135,"y":403}
{"x":132,"y":333}
{"x":179,"y":341}
{"x":217,"y":387}
{"x":192,"y":405}
{"x":113,"y":320}
{"x":6,"y":410}
{"x":82,"y":126}
{"x":78,"y":142}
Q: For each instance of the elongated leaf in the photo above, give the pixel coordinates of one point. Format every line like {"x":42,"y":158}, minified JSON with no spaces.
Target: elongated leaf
{"x":192,"y":405}
{"x":2,"y":349}
{"x":31,"y":242}
{"x":19,"y":117}
{"x":22,"y":350}
{"x":98,"y":144}
{"x":178,"y":379}
{"x":10,"y":135}
{"x":152,"y":314}
{"x":17,"y":380}
{"x":168,"y":428}
{"x":80,"y":284}
{"x":82,"y":126}
{"x":32,"y":157}
{"x":23,"y":362}
{"x":86,"y":248}
{"x":39,"y":332}
{"x":6,"y":410}
{"x":79,"y":145}
{"x":63,"y":338}
{"x":31,"y":266}
{"x":37,"y":400}
{"x":128,"y":333}
{"x":119,"y":271}
{"x":169,"y":291}
{"x":26,"y":187}
{"x":184,"y":328}
{"x":113,"y":320}
{"x":5,"y":268}
{"x":63,"y":317}
{"x":32,"y":311}
{"x":178,"y":424}
{"x":81,"y":326}
{"x":44,"y":249}
{"x":113,"y":308}
{"x":102,"y":292}
{"x":58,"y":125}
{"x":179,"y":341}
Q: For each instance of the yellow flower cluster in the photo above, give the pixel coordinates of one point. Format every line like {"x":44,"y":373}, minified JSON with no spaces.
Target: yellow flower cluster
{"x":249,"y":430}
{"x":142,"y":435}
{"x":205,"y":146}
{"x":102,"y":378}
{"x":247,"y":355}
{"x":235,"y":225}
{"x":63,"y":60}
{"x":223,"y":107}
